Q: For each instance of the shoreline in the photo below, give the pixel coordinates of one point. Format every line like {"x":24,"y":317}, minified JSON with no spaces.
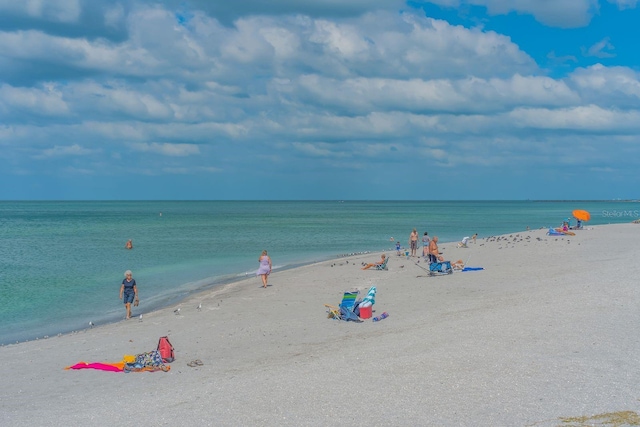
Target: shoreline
{"x":178,"y":297}
{"x":173,"y":300}
{"x":546,"y":331}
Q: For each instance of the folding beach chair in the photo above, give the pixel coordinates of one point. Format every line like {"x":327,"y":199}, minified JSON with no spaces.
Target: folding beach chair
{"x":463,"y":243}
{"x":383,"y":266}
{"x":334,"y":312}
{"x":345,"y":311}
{"x":440,"y":268}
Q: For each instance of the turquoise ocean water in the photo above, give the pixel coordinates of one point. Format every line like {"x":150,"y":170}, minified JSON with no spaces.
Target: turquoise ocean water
{"x":61,"y":263}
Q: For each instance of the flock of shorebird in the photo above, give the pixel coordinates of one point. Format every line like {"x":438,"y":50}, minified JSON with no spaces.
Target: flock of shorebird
{"x":176,"y":312}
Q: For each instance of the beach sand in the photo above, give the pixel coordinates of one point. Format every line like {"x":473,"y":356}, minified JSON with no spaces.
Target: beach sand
{"x":547,"y":332}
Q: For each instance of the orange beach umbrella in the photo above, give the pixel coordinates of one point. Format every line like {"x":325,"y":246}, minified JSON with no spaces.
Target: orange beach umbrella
{"x":582,"y":215}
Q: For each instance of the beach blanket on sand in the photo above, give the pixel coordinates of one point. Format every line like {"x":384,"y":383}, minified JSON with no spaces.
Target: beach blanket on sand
{"x":472,"y":269}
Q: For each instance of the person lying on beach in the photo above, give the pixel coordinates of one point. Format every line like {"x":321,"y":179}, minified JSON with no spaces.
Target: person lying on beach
{"x":382,"y":258}
{"x":458,"y":265}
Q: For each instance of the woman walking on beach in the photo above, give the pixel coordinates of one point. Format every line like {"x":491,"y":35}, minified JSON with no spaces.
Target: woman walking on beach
{"x":128,"y":292}
{"x":413,"y":242}
{"x":265,"y":267}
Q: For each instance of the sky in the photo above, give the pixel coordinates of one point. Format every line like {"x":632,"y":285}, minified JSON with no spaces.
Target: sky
{"x":319,"y":99}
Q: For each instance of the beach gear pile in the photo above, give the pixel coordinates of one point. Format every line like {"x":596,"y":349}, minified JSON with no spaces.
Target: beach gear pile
{"x":147,"y":362}
{"x":150,"y":361}
{"x":351,"y":308}
{"x":364,"y":308}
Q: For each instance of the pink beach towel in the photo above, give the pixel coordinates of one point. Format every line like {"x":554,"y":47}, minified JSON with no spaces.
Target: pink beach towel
{"x":111,"y":367}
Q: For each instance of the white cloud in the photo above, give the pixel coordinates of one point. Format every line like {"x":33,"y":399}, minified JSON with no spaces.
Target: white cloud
{"x":561,"y":59}
{"x":619,"y":86}
{"x":66,"y":11}
{"x":177,"y":171}
{"x":97,"y":55}
{"x":230,"y":11}
{"x":64,"y":151}
{"x":45,"y":101}
{"x":380,"y":43}
{"x":556,"y":13}
{"x":318,"y":149}
{"x":121,"y":100}
{"x":581,"y":119}
{"x":624,"y":4}
{"x":114,"y":16}
{"x":285,"y":42}
{"x":166,"y":149}
{"x":600,"y":50}
{"x":438,"y":95}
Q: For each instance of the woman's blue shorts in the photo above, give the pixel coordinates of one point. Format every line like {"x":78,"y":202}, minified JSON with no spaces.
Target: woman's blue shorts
{"x":128,"y":297}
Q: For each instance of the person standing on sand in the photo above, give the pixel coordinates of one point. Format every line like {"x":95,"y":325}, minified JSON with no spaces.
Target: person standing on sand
{"x":265,"y":267}
{"x":128,"y":292}
{"x":425,"y":244}
{"x":474,"y":237}
{"x":413,"y":242}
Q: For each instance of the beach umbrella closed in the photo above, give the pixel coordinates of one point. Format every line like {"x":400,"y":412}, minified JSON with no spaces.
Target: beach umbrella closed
{"x":582,"y":215}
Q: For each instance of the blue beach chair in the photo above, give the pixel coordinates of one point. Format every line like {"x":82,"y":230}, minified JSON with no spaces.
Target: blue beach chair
{"x":345,"y":311}
{"x":440,"y":268}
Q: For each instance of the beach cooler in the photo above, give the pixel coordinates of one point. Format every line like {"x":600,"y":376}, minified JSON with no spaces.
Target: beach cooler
{"x":365,"y":312}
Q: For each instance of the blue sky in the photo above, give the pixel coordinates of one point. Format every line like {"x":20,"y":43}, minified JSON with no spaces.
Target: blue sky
{"x":311,"y":99}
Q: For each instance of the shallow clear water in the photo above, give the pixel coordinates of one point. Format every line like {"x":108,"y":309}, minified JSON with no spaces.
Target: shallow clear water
{"x":61,"y":263}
